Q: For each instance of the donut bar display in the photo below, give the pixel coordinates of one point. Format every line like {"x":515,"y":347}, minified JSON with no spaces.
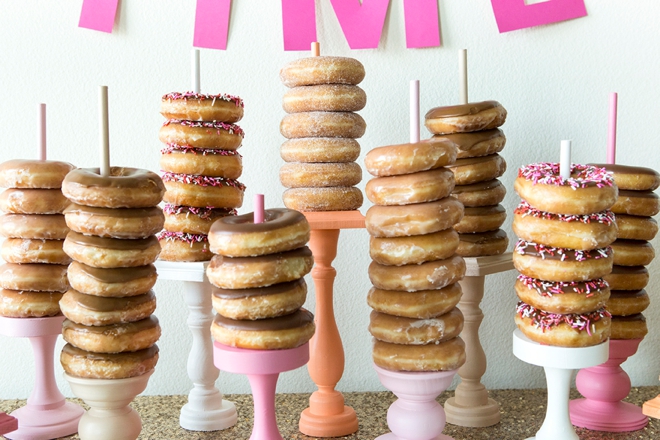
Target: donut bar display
{"x":34,"y":277}
{"x":321,"y":126}
{"x":201,"y":165}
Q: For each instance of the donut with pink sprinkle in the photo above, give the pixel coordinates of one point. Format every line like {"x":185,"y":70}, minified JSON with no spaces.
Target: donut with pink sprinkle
{"x":193,"y":106}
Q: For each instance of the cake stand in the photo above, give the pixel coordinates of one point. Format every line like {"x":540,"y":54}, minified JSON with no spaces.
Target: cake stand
{"x":46,"y":414}
{"x":7,"y":423}
{"x":327,"y":416}
{"x":471,"y":406}
{"x":262,"y":368}
{"x":558,"y":363}
{"x":206,"y":410}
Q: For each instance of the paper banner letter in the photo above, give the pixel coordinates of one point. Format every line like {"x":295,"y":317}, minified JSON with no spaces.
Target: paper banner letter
{"x":516,"y":14}
{"x":212,"y":24}
{"x":422,"y":28}
{"x":98,"y":15}
{"x":362,"y":23}
{"x":298,"y":24}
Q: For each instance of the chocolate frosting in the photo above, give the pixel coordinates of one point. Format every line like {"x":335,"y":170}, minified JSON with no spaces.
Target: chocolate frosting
{"x":534,"y":250}
{"x":133,"y":356}
{"x":452,"y":111}
{"x":628,"y":294}
{"x":299,"y":318}
{"x":276,"y":218}
{"x":474,"y":160}
{"x":480,"y":186}
{"x":637,"y":194}
{"x":635,"y":317}
{"x":260,"y":291}
{"x":483,"y":237}
{"x":116,"y":275}
{"x":109,"y":304}
{"x":114,"y":212}
{"x":112,"y":243}
{"x":631,"y":243}
{"x":484,"y":210}
{"x":120,"y":177}
{"x":626,"y":270}
{"x":467,"y":141}
{"x":219,"y":260}
{"x":114,"y":330}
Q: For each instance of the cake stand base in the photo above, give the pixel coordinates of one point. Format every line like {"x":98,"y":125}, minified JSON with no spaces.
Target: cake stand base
{"x":473,"y":416}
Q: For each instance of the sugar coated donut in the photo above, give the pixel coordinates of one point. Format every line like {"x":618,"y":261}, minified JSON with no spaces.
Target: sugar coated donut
{"x":33,"y":226}
{"x":631,"y":178}
{"x":644,"y":203}
{"x":26,"y":304}
{"x":628,"y":302}
{"x":20,"y":173}
{"x":482,"y":244}
{"x":411,"y":277}
{"x":588,"y":190}
{"x":397,"y":251}
{"x":87,"y":364}
{"x":193,"y":220}
{"x":421,"y":304}
{"x":282,"y":332}
{"x":113,"y":338}
{"x":627,"y":278}
{"x":632,"y":252}
{"x":320,"y":149}
{"x":488,"y":193}
{"x":478,"y":169}
{"x":629,"y":327}
{"x":202,"y":191}
{"x":474,"y":116}
{"x":320,"y":175}
{"x":111,"y":252}
{"x":115,"y":223}
{"x":411,"y":331}
{"x":100,"y":310}
{"x":183,"y":246}
{"x":394,"y":160}
{"x":633,"y":227}
{"x":33,"y":201}
{"x":340,"y":198}
{"x":202,"y":134}
{"x":324,"y":98}
{"x":200,"y":107}
{"x":481,"y":219}
{"x":322,"y":70}
{"x":34,"y":277}
{"x":123,"y":188}
{"x":322,"y":124}
{"x":238,"y":236}
{"x":260,"y":302}
{"x":588,"y":231}
{"x":202,"y":161}
{"x":417,"y":219}
{"x":564,"y":296}
{"x":420,"y":187}
{"x":23,"y":250}
{"x":475,"y":144}
{"x":445,"y":356}
{"x":119,"y":281}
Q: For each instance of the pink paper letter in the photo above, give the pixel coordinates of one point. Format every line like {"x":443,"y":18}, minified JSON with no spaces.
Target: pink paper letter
{"x":362,"y":23}
{"x":422,"y":28}
{"x":515,"y":14}
{"x":98,"y":15}
{"x":298,"y":24}
{"x":212,"y":24}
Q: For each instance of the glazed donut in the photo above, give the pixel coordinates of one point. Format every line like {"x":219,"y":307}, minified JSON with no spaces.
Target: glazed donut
{"x":33,"y":201}
{"x":320,"y":175}
{"x":563,"y":297}
{"x":117,"y":282}
{"x":630,"y":178}
{"x":420,"y":187}
{"x":322,"y":70}
{"x":202,"y":134}
{"x":182,"y":246}
{"x":642,"y":203}
{"x":394,"y":160}
{"x":34,"y":277}
{"x":411,"y":331}
{"x":41,"y":174}
{"x":411,"y":277}
{"x":113,"y":338}
{"x":320,"y":149}
{"x":283,"y":332}
{"x":124,"y":188}
{"x":632,"y":253}
{"x":628,"y":302}
{"x":201,"y":161}
{"x":25,"y":304}
{"x":422,"y":304}
{"x":482,"y":244}
{"x":478,"y":169}
{"x":23,"y":250}
{"x":569,"y":330}
{"x":193,"y":106}
{"x":627,"y":278}
{"x":475,"y":144}
{"x":481,"y":219}
{"x":559,"y":264}
{"x":202,"y":191}
{"x":100,"y":310}
{"x":588,"y":231}
{"x":260,"y":302}
{"x":629,"y":327}
{"x":474,"y":116}
{"x":488,"y":193}
{"x":588,"y":190}
{"x":340,"y":198}
{"x":115,"y":223}
{"x":322,"y":124}
{"x":324,"y":98}
{"x":632,"y":227}
{"x":416,"y":249}
{"x":238,"y":236}
{"x":86,"y":364}
{"x":33,"y":226}
{"x":262,"y":271}
{"x":445,"y":356}
{"x":111,"y":252}
{"x":417,"y":219}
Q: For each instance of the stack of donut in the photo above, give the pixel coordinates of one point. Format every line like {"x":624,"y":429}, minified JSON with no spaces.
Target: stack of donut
{"x":473,"y":128}
{"x":110,"y":330}
{"x":200,"y":166}
{"x":321,"y":127}
{"x":565,"y":228}
{"x":415,"y":269}
{"x":34,"y":277}
{"x":635,"y":206}
{"x":258,"y":281}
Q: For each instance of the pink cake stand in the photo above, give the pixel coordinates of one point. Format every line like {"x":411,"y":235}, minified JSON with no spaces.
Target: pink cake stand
{"x":7,"y":423}
{"x":47,"y":415}
{"x":262,"y":368}
{"x":604,"y":386}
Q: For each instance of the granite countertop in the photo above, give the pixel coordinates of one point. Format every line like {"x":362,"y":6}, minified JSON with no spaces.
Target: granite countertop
{"x":522,"y":411}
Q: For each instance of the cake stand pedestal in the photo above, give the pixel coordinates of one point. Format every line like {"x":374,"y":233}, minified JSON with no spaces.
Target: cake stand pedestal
{"x":7,"y":423}
{"x":262,"y":368}
{"x":558,"y":363}
{"x":46,"y":415}
{"x":206,"y":410}
{"x":327,"y":416}
{"x":651,"y":408}
{"x":604,"y":386}
{"x":471,"y":405}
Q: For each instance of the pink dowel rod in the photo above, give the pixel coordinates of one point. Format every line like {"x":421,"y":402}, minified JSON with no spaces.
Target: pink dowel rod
{"x":414,"y":111}
{"x":611,"y":129}
{"x":103,"y":126}
{"x":316,"y":49}
{"x":41,"y":130}
{"x":258,"y":208}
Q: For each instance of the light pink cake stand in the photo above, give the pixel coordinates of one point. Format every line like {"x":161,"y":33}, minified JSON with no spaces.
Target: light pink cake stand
{"x":604,"y":386}
{"x":47,"y":415}
{"x":262,"y":367}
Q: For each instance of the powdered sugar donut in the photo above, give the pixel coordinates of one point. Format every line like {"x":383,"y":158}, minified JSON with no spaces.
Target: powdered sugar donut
{"x":325,"y":98}
{"x":322,"y":124}
{"x":322,"y":70}
{"x":338,"y":198}
{"x":317,"y":175}
{"x":320,"y":149}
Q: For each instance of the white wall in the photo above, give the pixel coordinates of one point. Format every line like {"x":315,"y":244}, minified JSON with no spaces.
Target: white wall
{"x":554,"y":81}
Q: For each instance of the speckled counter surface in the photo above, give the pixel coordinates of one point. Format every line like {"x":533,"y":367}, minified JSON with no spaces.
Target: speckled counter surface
{"x":522,"y":411}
